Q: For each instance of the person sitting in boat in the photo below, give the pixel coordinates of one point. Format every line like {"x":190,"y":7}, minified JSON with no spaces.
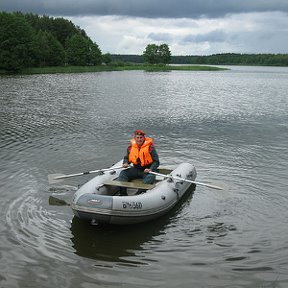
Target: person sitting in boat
{"x":142,"y":153}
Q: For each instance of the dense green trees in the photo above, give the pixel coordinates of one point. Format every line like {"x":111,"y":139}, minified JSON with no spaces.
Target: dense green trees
{"x":28,"y":40}
{"x":16,"y":42}
{"x":82,"y":51}
{"x":155,"y":54}
{"x":48,"y":50}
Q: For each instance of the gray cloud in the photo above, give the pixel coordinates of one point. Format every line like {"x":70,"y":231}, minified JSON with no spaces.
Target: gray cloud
{"x":197,"y":27}
{"x":144,"y":8}
{"x":213,"y":36}
{"x":160,"y":37}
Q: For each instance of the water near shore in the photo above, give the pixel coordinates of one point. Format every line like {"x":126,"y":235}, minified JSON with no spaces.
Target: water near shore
{"x":232,"y":125}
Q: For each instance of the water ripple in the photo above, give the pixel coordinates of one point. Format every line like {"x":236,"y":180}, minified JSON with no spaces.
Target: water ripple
{"x":32,"y":225}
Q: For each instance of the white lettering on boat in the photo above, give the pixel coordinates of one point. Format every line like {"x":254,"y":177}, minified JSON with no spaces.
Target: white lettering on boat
{"x":132,"y":205}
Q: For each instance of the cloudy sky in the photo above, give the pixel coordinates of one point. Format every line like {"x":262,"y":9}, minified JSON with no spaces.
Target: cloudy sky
{"x":189,"y":27}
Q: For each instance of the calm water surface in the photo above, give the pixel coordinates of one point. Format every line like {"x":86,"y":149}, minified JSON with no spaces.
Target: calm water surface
{"x":232,"y":125}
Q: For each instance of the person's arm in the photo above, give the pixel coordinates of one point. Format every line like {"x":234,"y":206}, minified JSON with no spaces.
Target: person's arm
{"x":126,"y":159}
{"x":155,"y":158}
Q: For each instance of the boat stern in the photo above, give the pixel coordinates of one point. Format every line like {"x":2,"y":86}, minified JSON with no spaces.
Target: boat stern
{"x":93,"y":207}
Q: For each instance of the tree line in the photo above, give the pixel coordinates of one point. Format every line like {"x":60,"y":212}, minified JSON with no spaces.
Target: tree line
{"x":29,"y":40}
{"x":217,"y":59}
{"x":234,"y":59}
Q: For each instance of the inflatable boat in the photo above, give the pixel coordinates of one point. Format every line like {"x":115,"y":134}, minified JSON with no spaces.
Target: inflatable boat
{"x":99,"y":200}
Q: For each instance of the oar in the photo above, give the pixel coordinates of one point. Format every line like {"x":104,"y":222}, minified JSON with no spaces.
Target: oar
{"x":54,"y":178}
{"x":57,"y":202}
{"x":186,"y":180}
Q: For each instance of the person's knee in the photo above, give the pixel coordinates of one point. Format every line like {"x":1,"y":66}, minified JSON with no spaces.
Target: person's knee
{"x":149,"y":179}
{"x":123,"y":176}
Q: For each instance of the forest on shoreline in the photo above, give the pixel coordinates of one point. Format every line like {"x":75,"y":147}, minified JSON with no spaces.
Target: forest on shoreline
{"x":217,"y":59}
{"x":29,"y":42}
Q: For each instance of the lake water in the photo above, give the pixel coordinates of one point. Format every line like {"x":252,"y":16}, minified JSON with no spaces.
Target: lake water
{"x":232,"y":125}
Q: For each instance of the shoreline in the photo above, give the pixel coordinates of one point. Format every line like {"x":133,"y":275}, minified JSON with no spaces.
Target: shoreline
{"x":107,"y":68}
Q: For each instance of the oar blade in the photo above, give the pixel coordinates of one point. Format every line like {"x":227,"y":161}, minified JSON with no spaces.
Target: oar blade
{"x":55,"y":178}
{"x":57,"y":202}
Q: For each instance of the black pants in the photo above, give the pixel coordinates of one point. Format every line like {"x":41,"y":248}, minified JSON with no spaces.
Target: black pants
{"x":134,"y":173}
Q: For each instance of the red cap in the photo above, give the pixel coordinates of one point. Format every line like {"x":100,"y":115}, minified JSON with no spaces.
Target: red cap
{"x":139,"y":132}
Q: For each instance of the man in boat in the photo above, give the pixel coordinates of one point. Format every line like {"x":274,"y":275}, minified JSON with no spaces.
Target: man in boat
{"x":142,"y":153}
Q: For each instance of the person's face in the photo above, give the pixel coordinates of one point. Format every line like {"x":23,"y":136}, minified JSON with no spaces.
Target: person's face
{"x":139,"y":139}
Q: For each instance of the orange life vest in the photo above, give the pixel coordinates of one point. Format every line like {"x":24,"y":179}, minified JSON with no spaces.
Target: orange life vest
{"x":143,"y":153}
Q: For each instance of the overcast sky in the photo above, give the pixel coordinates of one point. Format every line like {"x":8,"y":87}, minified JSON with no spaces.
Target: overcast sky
{"x":189,"y":27}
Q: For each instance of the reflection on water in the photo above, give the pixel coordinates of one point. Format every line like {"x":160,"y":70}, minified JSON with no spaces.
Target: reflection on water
{"x":113,"y":244}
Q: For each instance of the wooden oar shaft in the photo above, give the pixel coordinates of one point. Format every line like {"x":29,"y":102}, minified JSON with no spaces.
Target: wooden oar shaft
{"x":186,"y":180}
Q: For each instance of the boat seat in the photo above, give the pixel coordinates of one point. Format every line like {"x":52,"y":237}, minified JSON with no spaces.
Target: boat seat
{"x":134,"y":184}
{"x":165,"y":171}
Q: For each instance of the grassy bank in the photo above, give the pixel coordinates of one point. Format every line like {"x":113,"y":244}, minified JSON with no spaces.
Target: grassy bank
{"x":149,"y":68}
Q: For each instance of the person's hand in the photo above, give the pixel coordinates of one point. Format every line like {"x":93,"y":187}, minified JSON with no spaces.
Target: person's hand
{"x":125,"y":165}
{"x":147,"y":170}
